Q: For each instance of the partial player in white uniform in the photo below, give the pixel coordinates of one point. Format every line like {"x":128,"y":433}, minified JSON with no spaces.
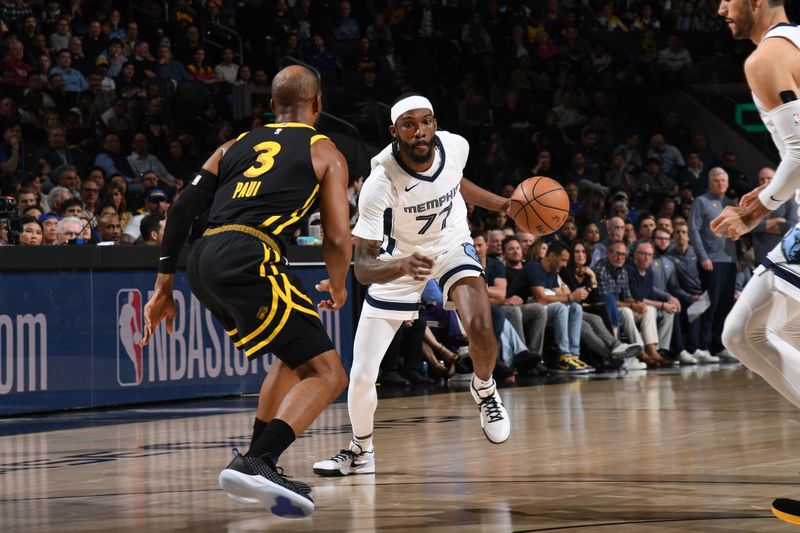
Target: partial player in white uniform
{"x":763,"y":328}
{"x":412,"y":226}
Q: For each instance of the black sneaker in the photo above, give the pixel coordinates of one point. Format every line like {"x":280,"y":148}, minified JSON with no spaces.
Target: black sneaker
{"x":416,"y":378}
{"x":525,"y":361}
{"x":393,"y":379}
{"x":258,"y":478}
{"x":787,"y":510}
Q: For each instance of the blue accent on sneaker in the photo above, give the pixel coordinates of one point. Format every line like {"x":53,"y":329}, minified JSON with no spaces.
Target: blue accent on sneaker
{"x":284,"y":507}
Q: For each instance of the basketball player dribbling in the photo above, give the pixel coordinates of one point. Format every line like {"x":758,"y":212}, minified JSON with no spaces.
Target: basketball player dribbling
{"x":412,"y":226}
{"x":762,"y":328}
{"x":258,"y":188}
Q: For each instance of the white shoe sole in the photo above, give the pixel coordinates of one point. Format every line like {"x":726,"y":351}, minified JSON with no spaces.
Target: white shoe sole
{"x":278,"y":500}
{"x":245,"y":501}
{"x":339,"y":472}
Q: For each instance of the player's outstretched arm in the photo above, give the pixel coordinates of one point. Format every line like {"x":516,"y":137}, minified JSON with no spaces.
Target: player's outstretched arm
{"x":479,"y":196}
{"x":369,"y":269}
{"x":190,"y":204}
{"x":337,"y":246}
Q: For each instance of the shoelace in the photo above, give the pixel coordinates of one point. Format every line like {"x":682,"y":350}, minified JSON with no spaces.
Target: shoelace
{"x":345,"y":455}
{"x":492,"y":409}
{"x":299,"y":485}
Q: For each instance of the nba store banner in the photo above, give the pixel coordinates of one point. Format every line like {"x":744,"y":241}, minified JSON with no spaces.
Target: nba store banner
{"x":70,"y":340}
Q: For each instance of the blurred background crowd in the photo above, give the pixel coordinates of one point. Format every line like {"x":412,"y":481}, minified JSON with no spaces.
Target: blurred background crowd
{"x":107,"y":108}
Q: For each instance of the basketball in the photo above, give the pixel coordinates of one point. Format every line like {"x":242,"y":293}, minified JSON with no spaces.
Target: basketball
{"x":539,"y":205}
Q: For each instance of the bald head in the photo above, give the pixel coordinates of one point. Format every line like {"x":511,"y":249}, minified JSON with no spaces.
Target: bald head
{"x":294,"y":86}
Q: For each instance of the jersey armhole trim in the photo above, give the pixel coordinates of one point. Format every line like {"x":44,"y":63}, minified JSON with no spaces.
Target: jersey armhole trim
{"x":319,"y":137}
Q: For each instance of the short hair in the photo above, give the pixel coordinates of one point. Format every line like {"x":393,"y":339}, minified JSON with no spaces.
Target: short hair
{"x":70,"y":203}
{"x":556,"y":247}
{"x":614,"y":243}
{"x":716,"y":170}
{"x":55,"y":192}
{"x":62,"y":169}
{"x":508,"y":239}
{"x":619,"y":204}
{"x":645,"y":217}
{"x":477,"y":233}
{"x":662,"y":230}
{"x":149,"y":224}
{"x":67,"y":220}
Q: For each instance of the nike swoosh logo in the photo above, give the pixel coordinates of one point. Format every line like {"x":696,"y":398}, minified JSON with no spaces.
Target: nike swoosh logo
{"x":409,"y":188}
{"x":773,"y":198}
{"x":162,"y":258}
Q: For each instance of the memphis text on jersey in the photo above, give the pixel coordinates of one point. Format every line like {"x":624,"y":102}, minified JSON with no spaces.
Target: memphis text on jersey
{"x":433,"y":204}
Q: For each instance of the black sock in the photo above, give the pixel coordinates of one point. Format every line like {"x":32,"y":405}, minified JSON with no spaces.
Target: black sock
{"x":274,"y":439}
{"x":258,"y":428}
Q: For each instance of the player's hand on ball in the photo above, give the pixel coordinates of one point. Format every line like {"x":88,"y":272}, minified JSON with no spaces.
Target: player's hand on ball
{"x":160,"y":306}
{"x":337,"y":299}
{"x":418,"y":266}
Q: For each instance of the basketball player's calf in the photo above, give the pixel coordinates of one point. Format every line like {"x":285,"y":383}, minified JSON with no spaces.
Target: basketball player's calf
{"x":472,"y":301}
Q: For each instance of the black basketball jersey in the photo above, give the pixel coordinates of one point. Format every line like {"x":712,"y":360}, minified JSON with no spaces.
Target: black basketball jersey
{"x":267,"y":180}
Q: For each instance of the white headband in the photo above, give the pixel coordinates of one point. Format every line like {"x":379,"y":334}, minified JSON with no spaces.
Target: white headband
{"x":407,"y":104}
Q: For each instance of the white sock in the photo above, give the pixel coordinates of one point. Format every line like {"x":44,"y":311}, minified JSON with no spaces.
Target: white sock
{"x":483,"y":388}
{"x":362,"y":445}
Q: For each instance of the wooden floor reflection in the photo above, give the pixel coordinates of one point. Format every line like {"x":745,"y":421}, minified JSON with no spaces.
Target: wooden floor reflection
{"x":690,"y":450}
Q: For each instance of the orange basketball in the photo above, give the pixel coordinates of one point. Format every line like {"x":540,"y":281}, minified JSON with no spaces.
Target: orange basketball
{"x":539,"y":205}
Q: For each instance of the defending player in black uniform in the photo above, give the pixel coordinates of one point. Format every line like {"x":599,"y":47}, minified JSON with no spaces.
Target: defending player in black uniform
{"x":259,"y":187}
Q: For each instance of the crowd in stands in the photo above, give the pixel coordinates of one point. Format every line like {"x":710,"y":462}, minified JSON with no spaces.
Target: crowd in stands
{"x":105,"y":113}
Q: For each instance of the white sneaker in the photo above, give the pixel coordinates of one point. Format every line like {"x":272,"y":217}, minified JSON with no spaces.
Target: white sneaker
{"x":686,"y":358}
{"x":632,"y":363}
{"x":494,"y":418}
{"x":704,"y":357}
{"x":624,"y":350}
{"x":353,"y":460}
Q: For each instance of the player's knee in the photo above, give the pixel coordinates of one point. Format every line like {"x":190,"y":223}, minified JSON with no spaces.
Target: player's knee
{"x":479,"y":327}
{"x":732,"y":336}
{"x":739,"y":333}
{"x":362,"y":379}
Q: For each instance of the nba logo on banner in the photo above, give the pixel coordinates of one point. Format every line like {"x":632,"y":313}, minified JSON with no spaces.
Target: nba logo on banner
{"x":130,"y":368}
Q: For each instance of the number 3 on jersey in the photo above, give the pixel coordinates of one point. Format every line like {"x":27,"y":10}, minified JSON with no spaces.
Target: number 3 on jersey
{"x":264,"y":163}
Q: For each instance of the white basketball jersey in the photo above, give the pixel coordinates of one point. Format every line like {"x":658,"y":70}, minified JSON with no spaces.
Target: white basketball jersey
{"x":416,"y":212}
{"x":786,"y":255}
{"x":791,"y":33}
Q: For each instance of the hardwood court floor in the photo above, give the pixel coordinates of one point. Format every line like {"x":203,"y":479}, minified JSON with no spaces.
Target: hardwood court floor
{"x":688,"y":450}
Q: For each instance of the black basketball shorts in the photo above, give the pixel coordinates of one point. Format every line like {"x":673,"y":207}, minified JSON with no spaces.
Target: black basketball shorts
{"x":260,"y":302}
